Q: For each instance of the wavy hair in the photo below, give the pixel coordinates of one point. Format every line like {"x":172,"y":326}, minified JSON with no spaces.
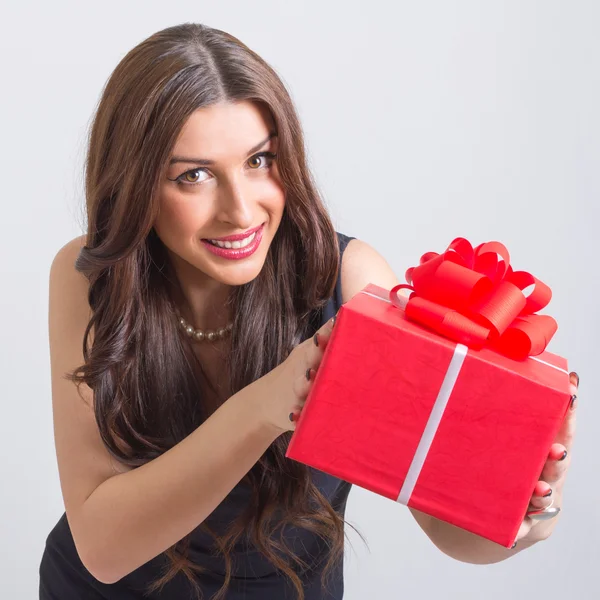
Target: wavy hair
{"x":146,"y":401}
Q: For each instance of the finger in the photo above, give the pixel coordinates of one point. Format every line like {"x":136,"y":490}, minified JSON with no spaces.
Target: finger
{"x":314,"y":348}
{"x":566,"y":433}
{"x":574,"y":378}
{"x":557,"y":452}
{"x":573,"y":387}
{"x":525,"y":528}
{"x":323,"y":334}
{"x":303,"y":384}
{"x":557,"y":464}
{"x":542,"y":495}
{"x":294,"y":416}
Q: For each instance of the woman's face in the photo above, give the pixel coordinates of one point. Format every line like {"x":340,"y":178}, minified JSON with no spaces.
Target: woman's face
{"x":221,"y":181}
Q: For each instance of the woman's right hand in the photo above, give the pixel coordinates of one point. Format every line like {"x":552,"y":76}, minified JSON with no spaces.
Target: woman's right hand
{"x":286,"y":387}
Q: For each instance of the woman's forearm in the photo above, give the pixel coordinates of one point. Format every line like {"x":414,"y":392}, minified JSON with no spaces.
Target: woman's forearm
{"x":470,"y":548}
{"x":134,"y":516}
{"x":467,"y":547}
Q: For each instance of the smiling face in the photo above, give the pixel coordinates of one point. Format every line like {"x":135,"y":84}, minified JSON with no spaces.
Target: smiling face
{"x":222,"y":180}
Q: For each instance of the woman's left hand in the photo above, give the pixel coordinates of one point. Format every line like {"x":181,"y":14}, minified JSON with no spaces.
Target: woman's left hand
{"x":549,"y":488}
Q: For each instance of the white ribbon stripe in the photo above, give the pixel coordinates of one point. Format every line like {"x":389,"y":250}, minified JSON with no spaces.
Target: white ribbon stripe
{"x":432,"y":423}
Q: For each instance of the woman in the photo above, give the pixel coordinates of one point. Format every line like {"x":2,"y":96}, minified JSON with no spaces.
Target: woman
{"x":195,"y":139}
{"x":189,"y":356}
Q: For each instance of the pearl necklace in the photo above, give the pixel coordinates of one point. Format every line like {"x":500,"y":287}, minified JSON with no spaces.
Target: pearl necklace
{"x":199,"y":335}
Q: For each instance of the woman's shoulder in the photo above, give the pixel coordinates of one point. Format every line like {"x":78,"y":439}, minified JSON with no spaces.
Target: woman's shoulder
{"x":68,"y":288}
{"x":362,"y":264}
{"x":344,"y":240}
{"x":65,"y":257}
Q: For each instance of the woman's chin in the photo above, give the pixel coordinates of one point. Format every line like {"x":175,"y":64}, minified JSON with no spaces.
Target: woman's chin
{"x":235,"y":274}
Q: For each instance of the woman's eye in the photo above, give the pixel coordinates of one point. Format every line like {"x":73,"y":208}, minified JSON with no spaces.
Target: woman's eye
{"x":255,"y":161}
{"x":191,"y":177}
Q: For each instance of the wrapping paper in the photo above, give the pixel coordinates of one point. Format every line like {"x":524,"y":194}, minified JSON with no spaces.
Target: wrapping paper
{"x":374,"y":415}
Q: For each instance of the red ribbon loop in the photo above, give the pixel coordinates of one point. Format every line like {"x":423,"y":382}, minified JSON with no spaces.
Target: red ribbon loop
{"x":473,"y":296}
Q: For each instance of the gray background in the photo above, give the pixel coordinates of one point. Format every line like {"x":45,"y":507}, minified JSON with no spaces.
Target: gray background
{"x":424,"y":121}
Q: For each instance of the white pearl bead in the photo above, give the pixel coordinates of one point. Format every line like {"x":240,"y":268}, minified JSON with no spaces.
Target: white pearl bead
{"x":200,"y":335}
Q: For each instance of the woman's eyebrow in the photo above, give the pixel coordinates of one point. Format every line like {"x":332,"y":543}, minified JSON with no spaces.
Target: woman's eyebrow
{"x":207,"y":162}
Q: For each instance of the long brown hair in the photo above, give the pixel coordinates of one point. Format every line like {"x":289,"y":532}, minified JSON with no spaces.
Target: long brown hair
{"x":146,"y":401}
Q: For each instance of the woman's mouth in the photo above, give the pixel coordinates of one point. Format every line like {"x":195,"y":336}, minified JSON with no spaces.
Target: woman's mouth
{"x":237,"y":249}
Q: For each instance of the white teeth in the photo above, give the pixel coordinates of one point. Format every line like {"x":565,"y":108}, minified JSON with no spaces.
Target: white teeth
{"x":237,"y":244}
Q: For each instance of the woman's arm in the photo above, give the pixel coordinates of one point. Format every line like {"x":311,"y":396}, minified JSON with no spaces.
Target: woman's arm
{"x":132,"y":517}
{"x":121,"y":518}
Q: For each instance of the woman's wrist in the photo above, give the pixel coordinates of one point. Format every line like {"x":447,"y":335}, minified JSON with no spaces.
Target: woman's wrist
{"x":250,"y":401}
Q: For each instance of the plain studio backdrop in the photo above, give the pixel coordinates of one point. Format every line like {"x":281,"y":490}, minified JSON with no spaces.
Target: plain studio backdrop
{"x":424,"y":121}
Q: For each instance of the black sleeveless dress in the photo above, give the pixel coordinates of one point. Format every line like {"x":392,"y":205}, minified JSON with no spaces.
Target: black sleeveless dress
{"x":64,"y":577}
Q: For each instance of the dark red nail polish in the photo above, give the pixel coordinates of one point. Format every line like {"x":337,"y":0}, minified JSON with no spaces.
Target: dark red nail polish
{"x":573,"y":400}
{"x":316,"y":339}
{"x":563,"y":456}
{"x":308,"y":374}
{"x":548,"y":493}
{"x":577,"y":377}
{"x":513,"y":546}
{"x":291,"y":417}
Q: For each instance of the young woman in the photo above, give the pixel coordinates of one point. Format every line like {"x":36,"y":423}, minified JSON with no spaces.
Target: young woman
{"x":186,"y":328}
{"x":205,"y":290}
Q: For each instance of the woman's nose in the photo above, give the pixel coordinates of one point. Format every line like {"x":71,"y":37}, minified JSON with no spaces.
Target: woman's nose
{"x":235,"y":205}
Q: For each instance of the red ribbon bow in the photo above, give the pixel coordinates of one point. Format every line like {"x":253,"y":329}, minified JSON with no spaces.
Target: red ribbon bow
{"x":473,"y":296}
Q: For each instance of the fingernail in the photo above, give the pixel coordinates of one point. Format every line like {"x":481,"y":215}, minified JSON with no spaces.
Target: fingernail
{"x":563,"y":456}
{"x":513,"y":546}
{"x":548,"y":493}
{"x":291,"y":417}
{"x":573,"y":400}
{"x":316,"y":339}
{"x":333,"y":320}
{"x":308,"y":374}
{"x":576,"y":376}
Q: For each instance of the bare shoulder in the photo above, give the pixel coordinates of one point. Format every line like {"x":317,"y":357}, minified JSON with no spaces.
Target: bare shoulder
{"x":65,"y":257}
{"x":66,"y":283}
{"x":68,"y":307}
{"x":362,"y":264}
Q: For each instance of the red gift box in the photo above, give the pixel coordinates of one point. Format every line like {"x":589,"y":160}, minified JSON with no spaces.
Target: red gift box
{"x":461,"y":434}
